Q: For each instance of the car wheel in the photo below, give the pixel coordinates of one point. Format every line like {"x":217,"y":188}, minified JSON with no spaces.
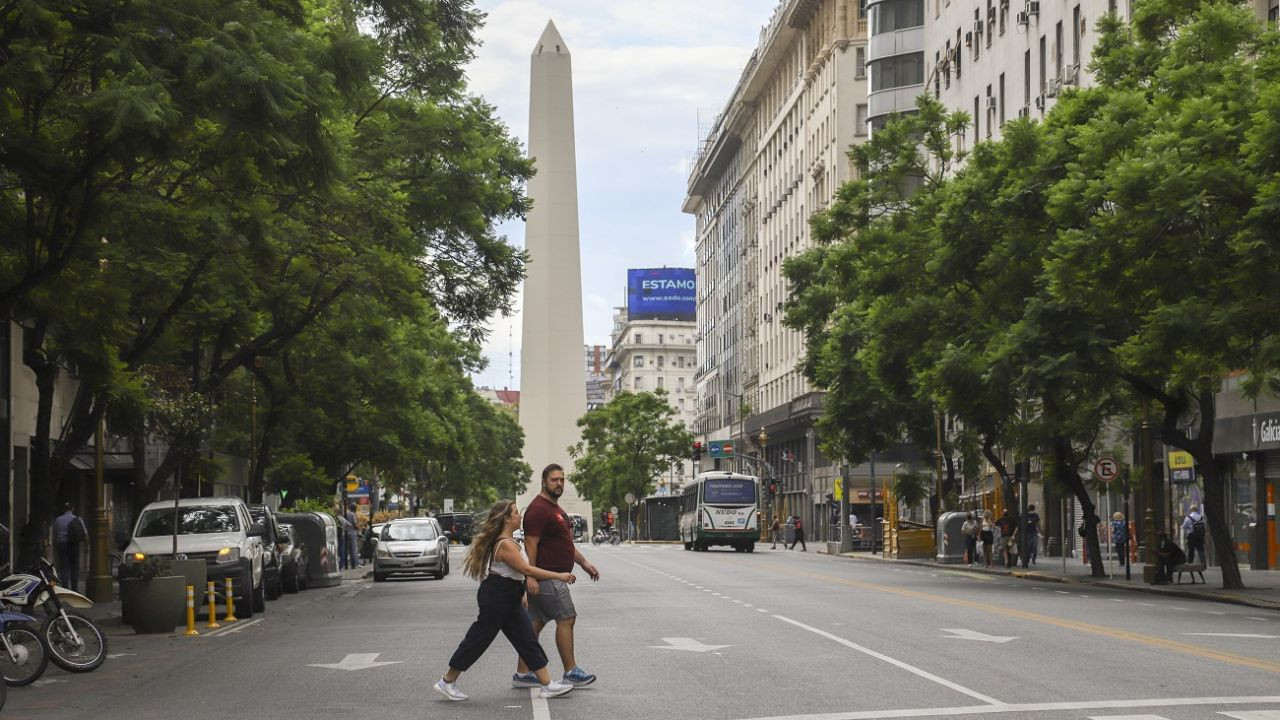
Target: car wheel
{"x":260,"y":596}
{"x":290,"y":584}
{"x":379,"y":577}
{"x":244,"y":605}
{"x":275,"y":588}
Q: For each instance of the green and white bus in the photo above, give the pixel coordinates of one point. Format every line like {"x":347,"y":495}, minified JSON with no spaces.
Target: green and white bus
{"x":720,"y":508}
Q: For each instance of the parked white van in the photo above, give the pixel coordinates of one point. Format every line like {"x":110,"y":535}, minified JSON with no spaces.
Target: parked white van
{"x":218,"y":530}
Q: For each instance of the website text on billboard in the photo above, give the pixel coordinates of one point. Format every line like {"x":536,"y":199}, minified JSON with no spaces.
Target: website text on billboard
{"x":661,"y":294}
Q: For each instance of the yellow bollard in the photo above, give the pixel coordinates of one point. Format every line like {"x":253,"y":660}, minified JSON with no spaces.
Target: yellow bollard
{"x":231,"y":599}
{"x":191,"y":612}
{"x":213,"y":608}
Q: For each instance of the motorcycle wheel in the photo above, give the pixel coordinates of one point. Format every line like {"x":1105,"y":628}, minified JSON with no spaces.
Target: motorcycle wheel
{"x":28,"y":659}
{"x":77,"y":656}
{"x":595,"y":540}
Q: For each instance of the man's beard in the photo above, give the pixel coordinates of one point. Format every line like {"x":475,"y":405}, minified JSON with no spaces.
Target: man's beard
{"x":553,"y":491}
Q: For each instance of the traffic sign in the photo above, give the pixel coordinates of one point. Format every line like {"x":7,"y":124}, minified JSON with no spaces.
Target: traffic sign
{"x":720,"y":448}
{"x":1106,"y":469}
{"x":614,"y":509}
{"x":839,"y":492}
{"x":629,"y":497}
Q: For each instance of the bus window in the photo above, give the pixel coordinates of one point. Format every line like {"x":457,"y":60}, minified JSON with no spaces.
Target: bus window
{"x":729,"y":491}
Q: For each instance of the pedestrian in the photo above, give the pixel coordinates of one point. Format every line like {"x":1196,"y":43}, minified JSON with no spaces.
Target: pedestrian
{"x":969,"y":530}
{"x":352,"y":528}
{"x":1168,"y":556}
{"x":987,"y":534}
{"x":548,"y":538}
{"x":799,"y":538}
{"x":1008,"y":537}
{"x":341,"y":519}
{"x":69,"y":533}
{"x":1031,"y":528}
{"x":1193,"y":530}
{"x":773,"y":533}
{"x":502,"y":568}
{"x":1120,"y":537}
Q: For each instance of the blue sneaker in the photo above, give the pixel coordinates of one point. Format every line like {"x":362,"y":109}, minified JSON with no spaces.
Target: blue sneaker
{"x":578,"y":677}
{"x":525,"y":680}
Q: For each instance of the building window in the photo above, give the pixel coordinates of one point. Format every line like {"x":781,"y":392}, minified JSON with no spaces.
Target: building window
{"x":860,"y":120}
{"x":896,"y":72}
{"x":660,"y":383}
{"x":659,"y":338}
{"x":977,"y":119}
{"x":1042,"y":62}
{"x":639,"y":362}
{"x":860,"y":63}
{"x":639,"y":339}
{"x":1026,"y":79}
{"x":1057,"y":50}
{"x":1075,"y":35}
{"x":862,"y":9}
{"x":661,"y":359}
{"x":1000,"y":100}
{"x":896,"y":15}
{"x":639,"y":383}
{"x":680,"y":384}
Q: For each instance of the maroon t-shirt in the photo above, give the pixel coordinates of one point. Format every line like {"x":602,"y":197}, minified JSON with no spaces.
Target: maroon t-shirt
{"x":549,"y":523}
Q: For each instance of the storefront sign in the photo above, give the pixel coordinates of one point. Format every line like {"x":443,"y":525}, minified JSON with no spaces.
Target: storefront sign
{"x":1247,"y":433}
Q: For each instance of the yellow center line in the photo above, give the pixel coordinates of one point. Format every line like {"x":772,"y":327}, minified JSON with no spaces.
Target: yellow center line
{"x":1149,"y":640}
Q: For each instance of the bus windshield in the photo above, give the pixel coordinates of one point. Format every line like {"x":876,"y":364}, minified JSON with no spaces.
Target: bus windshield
{"x":729,"y":491}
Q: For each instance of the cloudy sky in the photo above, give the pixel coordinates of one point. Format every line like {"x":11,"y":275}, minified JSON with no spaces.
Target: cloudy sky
{"x":647,"y":74}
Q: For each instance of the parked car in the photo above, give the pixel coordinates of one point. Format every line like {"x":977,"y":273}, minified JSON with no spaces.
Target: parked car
{"x":218,"y":530}
{"x":456,"y":526}
{"x":293,"y":560}
{"x":272,"y":584}
{"x":411,"y":545}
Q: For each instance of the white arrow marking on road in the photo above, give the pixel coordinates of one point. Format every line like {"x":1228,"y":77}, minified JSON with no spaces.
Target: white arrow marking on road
{"x":1237,"y":635}
{"x":356,"y":661}
{"x":963,"y":634}
{"x":113,"y":656}
{"x":687,"y":644}
{"x":46,"y":681}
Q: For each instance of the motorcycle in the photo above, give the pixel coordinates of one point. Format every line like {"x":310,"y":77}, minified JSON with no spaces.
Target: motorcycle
{"x":75,"y":643}
{"x":602,"y":536}
{"x":22,"y":652}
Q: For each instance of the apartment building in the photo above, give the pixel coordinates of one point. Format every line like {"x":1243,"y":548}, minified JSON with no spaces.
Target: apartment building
{"x":776,"y":154}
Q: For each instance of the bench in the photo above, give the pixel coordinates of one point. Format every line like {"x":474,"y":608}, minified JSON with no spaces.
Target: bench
{"x":1191,"y":569}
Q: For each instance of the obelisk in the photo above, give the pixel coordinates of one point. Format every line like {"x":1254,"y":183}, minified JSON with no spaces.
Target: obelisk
{"x":553,"y":376}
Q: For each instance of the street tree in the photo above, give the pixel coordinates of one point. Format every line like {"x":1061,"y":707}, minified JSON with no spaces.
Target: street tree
{"x":626,"y":446}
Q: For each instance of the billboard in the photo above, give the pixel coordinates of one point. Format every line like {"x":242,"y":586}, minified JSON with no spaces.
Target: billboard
{"x":661,"y":294}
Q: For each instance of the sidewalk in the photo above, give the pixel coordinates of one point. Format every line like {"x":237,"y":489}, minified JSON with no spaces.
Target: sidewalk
{"x":1262,"y":587}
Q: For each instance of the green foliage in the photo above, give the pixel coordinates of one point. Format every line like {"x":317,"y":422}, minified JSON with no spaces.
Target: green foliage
{"x":626,"y":445}
{"x":310,"y":505}
{"x":154,"y":567}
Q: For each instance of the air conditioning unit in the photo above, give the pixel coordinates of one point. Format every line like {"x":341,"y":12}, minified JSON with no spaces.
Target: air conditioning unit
{"x":1039,"y":102}
{"x":1025,"y":111}
{"x":1024,"y":19}
{"x":1069,"y":74}
{"x":977,"y":27}
{"x":1052,"y":88}
{"x":1033,"y":7}
{"x":991,"y":15}
{"x":991,"y":102}
{"x":968,"y":39}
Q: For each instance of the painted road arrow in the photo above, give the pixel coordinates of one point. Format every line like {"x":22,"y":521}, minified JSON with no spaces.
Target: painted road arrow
{"x":963,"y":634}
{"x":687,"y":644}
{"x":356,"y":661}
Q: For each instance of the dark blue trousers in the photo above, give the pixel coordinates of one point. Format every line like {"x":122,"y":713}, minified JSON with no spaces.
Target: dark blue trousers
{"x":500,"y":611}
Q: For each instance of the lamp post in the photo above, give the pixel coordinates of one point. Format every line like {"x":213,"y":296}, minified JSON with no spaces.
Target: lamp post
{"x":875,"y":526}
{"x":99,"y":567}
{"x":762,"y":439}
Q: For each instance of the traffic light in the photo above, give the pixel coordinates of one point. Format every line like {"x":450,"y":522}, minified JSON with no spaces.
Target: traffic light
{"x":773,"y":488}
{"x":697,"y":450}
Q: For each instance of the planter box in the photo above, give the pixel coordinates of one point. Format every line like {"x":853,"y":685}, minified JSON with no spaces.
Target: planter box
{"x":196,"y":573}
{"x":154,"y":606}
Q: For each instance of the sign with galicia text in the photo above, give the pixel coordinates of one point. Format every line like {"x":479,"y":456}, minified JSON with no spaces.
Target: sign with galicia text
{"x":662,"y":294}
{"x":1247,"y":433}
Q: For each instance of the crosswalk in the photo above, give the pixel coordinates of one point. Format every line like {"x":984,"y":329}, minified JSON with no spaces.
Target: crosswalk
{"x":1234,"y":714}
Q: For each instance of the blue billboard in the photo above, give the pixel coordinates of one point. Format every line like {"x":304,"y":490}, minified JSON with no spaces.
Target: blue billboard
{"x":661,"y":294}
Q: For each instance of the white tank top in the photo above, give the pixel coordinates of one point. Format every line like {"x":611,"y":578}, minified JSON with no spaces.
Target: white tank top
{"x":497,"y":567}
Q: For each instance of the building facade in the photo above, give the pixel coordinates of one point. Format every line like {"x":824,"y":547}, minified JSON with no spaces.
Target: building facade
{"x":776,"y":155}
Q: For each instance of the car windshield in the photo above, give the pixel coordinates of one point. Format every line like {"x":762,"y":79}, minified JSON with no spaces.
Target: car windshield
{"x":197,"y":520}
{"x":409,"y":531}
{"x":729,"y":491}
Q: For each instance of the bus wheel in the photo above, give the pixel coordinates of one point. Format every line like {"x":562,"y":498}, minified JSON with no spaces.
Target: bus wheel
{"x":751,"y":547}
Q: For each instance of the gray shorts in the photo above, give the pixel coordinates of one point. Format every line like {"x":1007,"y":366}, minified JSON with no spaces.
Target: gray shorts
{"x":552,"y":602}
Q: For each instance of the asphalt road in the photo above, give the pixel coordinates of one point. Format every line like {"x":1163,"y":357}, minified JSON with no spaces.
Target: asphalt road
{"x":720,"y":635}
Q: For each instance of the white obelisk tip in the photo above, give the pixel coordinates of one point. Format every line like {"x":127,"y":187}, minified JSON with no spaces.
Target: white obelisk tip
{"x":551,"y":42}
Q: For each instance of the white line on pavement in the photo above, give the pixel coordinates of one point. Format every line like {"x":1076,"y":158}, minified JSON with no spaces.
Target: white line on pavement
{"x":1030,"y":708}
{"x":892,"y":661}
{"x":540,"y":709}
{"x":235,"y":627}
{"x":1254,"y":715}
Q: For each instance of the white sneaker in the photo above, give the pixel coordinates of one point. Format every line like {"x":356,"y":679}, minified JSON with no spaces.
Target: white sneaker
{"x":451,"y":690}
{"x":555,"y":689}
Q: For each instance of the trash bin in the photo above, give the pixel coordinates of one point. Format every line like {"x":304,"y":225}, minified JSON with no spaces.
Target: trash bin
{"x":950,"y":539}
{"x":789,"y":532}
{"x":319,"y":532}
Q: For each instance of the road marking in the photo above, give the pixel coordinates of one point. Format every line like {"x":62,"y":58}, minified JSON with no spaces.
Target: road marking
{"x":1250,"y":617}
{"x":234,"y":627}
{"x":963,"y":634}
{"x":1006,"y":612}
{"x":1062,"y":592}
{"x":114,"y":656}
{"x":356,"y":661}
{"x":540,"y":709}
{"x":1254,"y":715}
{"x":1035,"y":707}
{"x":1215,"y":612}
{"x":1127,"y":717}
{"x":893,"y":661}
{"x":1237,"y":635}
{"x":689,"y":644}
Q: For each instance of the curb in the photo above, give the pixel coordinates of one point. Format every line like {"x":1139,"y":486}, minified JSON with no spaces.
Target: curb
{"x":1172,"y":591}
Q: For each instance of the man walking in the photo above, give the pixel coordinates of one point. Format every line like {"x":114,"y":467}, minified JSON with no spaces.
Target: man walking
{"x":799,"y":538}
{"x":1193,"y":530}
{"x":353,"y":537}
{"x":1031,"y":528}
{"x":69,"y":532}
{"x":1008,"y":538}
{"x":548,"y":541}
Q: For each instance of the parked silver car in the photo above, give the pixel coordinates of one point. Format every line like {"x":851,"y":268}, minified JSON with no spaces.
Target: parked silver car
{"x":411,"y":545}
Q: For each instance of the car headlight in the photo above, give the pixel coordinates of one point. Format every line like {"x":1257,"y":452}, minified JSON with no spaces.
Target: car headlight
{"x":137,"y":557}
{"x":383,"y":552}
{"x":228,"y":555}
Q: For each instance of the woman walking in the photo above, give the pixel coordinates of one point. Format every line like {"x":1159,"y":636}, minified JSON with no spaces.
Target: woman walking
{"x":499,"y":563}
{"x":988,"y":537}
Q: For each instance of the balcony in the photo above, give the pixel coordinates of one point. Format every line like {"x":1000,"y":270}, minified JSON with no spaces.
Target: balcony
{"x":897,"y":100}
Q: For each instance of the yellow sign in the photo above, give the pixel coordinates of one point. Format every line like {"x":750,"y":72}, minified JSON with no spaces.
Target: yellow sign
{"x":839,"y":493}
{"x":1181,"y":460}
{"x":352,"y":486}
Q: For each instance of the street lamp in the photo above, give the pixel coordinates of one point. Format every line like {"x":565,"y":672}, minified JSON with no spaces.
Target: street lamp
{"x":99,"y":567}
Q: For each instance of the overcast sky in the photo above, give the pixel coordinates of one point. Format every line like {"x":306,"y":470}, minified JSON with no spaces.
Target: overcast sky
{"x":647,"y":73}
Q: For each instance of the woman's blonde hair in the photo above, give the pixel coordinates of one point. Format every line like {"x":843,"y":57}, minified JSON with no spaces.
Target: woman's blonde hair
{"x":476,"y":564}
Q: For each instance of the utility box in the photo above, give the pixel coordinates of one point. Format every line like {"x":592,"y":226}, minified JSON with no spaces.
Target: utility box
{"x":950,"y":539}
{"x":319,"y":533}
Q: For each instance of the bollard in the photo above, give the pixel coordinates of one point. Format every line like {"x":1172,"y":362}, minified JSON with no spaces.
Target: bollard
{"x":231,"y":599}
{"x":191,"y":612}
{"x":213,"y":608}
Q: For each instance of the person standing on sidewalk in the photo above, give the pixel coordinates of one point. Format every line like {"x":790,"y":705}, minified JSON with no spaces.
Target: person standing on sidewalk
{"x":1193,"y":530}
{"x":1008,"y":538}
{"x":548,"y":538}
{"x":499,"y":563}
{"x":1120,"y":537}
{"x":1031,"y":536}
{"x":773,"y":533}
{"x":969,"y":530}
{"x":69,"y":533}
{"x":988,"y":536}
{"x":799,"y":538}
{"x":352,"y":528}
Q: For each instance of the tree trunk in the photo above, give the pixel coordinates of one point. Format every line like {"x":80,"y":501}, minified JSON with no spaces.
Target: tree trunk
{"x":43,"y":484}
{"x":1006,"y":482}
{"x":1066,"y":470}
